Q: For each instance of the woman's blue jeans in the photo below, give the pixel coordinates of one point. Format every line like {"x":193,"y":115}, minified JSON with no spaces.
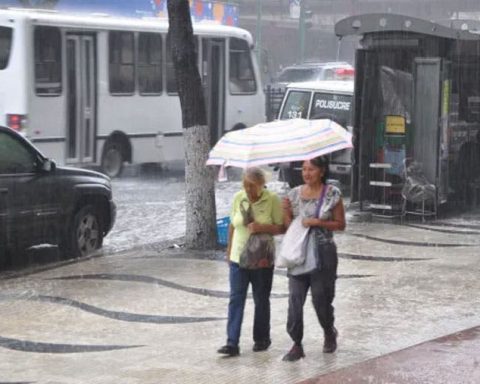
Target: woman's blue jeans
{"x":261,"y":280}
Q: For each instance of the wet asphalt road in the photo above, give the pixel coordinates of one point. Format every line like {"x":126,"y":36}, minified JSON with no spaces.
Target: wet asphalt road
{"x":151,"y":208}
{"x":151,"y":212}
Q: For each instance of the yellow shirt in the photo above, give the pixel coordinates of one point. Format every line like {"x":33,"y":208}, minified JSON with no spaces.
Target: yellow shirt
{"x":266,"y":210}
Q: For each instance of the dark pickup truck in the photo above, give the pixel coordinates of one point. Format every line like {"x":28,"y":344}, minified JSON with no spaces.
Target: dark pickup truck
{"x":41,"y":203}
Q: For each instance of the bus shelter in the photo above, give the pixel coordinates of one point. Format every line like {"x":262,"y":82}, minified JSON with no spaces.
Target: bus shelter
{"x":417,"y":114}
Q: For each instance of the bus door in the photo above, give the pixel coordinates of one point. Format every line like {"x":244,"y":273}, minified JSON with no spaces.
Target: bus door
{"x":213,"y":70}
{"x":80,"y":98}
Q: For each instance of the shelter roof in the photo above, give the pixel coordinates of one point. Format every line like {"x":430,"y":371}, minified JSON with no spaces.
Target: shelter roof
{"x":387,"y":22}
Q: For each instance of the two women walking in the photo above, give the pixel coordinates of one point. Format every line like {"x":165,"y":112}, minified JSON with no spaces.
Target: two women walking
{"x":321,"y":208}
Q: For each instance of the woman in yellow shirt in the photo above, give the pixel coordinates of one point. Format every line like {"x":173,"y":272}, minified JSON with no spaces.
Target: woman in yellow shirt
{"x":267,"y":218}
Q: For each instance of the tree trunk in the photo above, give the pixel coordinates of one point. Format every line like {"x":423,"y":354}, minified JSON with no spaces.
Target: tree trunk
{"x":199,"y":179}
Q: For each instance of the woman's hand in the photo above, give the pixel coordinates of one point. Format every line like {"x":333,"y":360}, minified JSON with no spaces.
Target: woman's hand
{"x":254,"y":227}
{"x":286,"y":204}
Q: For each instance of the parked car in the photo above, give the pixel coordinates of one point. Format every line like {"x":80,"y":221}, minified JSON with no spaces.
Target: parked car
{"x":320,"y":100}
{"x":335,"y":70}
{"x":42,"y":203}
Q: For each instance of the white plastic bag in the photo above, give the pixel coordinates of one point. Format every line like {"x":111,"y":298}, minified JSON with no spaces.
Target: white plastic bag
{"x":292,"y":248}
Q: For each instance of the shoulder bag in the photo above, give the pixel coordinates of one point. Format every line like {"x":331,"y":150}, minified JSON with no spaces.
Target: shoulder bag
{"x":325,"y":250}
{"x":259,"y":251}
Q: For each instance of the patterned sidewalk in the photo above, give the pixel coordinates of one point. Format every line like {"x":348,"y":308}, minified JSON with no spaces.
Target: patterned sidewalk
{"x":449,"y":359}
{"x":158,"y":316}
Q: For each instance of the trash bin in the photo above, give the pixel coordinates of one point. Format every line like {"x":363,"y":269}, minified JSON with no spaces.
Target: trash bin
{"x":222,"y":230}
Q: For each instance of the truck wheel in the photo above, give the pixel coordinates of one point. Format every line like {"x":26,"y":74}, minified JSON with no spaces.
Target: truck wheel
{"x":5,"y":257}
{"x":84,"y":236}
{"x":112,"y":159}
{"x":13,"y":256}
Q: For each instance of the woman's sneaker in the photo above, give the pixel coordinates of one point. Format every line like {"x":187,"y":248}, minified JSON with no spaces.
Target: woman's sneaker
{"x":295,"y":353}
{"x":229,"y":350}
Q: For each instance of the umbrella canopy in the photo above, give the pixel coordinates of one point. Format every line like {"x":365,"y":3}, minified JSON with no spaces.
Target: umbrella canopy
{"x":279,"y":141}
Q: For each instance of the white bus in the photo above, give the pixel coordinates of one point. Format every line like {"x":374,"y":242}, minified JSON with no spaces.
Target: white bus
{"x":100,"y":91}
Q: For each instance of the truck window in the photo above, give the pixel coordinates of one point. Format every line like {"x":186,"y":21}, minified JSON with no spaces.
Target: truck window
{"x":5,"y":46}
{"x":296,"y":105}
{"x":297,"y":75}
{"x":332,"y":106}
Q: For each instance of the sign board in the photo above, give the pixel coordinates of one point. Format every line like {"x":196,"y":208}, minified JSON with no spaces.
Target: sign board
{"x":221,"y":12}
{"x":395,"y":125}
{"x":295,"y":9}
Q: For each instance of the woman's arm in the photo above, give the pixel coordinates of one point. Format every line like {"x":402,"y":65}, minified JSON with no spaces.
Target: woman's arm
{"x":337,"y":222}
{"x":287,"y":212}
{"x":272,"y":229}
{"x":229,"y":242}
{"x":276,"y":219}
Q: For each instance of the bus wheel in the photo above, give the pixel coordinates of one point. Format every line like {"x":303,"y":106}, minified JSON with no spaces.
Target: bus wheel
{"x":238,"y":126}
{"x":112,"y":160}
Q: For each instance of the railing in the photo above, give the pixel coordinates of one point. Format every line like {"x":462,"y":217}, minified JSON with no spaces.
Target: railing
{"x":273,"y":101}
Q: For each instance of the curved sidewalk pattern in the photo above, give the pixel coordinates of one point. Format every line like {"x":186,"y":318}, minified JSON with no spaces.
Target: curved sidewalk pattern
{"x":147,"y":316}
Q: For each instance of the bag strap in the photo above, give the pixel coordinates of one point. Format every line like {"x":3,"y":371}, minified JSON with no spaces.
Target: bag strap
{"x":247,"y":214}
{"x":320,"y":201}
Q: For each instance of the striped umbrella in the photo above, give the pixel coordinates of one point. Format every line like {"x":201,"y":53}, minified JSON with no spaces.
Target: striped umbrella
{"x":278,"y":142}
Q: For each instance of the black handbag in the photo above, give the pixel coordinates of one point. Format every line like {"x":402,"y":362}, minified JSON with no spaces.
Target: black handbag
{"x":326,"y":249}
{"x":326,"y":255}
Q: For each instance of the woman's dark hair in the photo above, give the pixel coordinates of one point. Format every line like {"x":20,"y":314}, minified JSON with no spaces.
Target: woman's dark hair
{"x":322,"y":162}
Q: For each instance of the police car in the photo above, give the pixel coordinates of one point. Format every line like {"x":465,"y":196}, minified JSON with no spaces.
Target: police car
{"x":320,"y":100}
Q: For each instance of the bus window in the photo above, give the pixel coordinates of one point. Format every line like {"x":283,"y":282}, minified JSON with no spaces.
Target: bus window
{"x":296,"y":105}
{"x":170,"y":67}
{"x":150,"y":63}
{"x":242,"y":78}
{"x":122,"y":68}
{"x":5,"y":46}
{"x":171,"y":78}
{"x":48,"y":59}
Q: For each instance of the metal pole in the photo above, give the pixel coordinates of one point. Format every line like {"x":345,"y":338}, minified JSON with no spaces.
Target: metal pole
{"x":301,"y":30}
{"x":259,"y":32}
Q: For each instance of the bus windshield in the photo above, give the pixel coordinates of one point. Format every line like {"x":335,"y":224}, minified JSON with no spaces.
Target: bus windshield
{"x":5,"y":46}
